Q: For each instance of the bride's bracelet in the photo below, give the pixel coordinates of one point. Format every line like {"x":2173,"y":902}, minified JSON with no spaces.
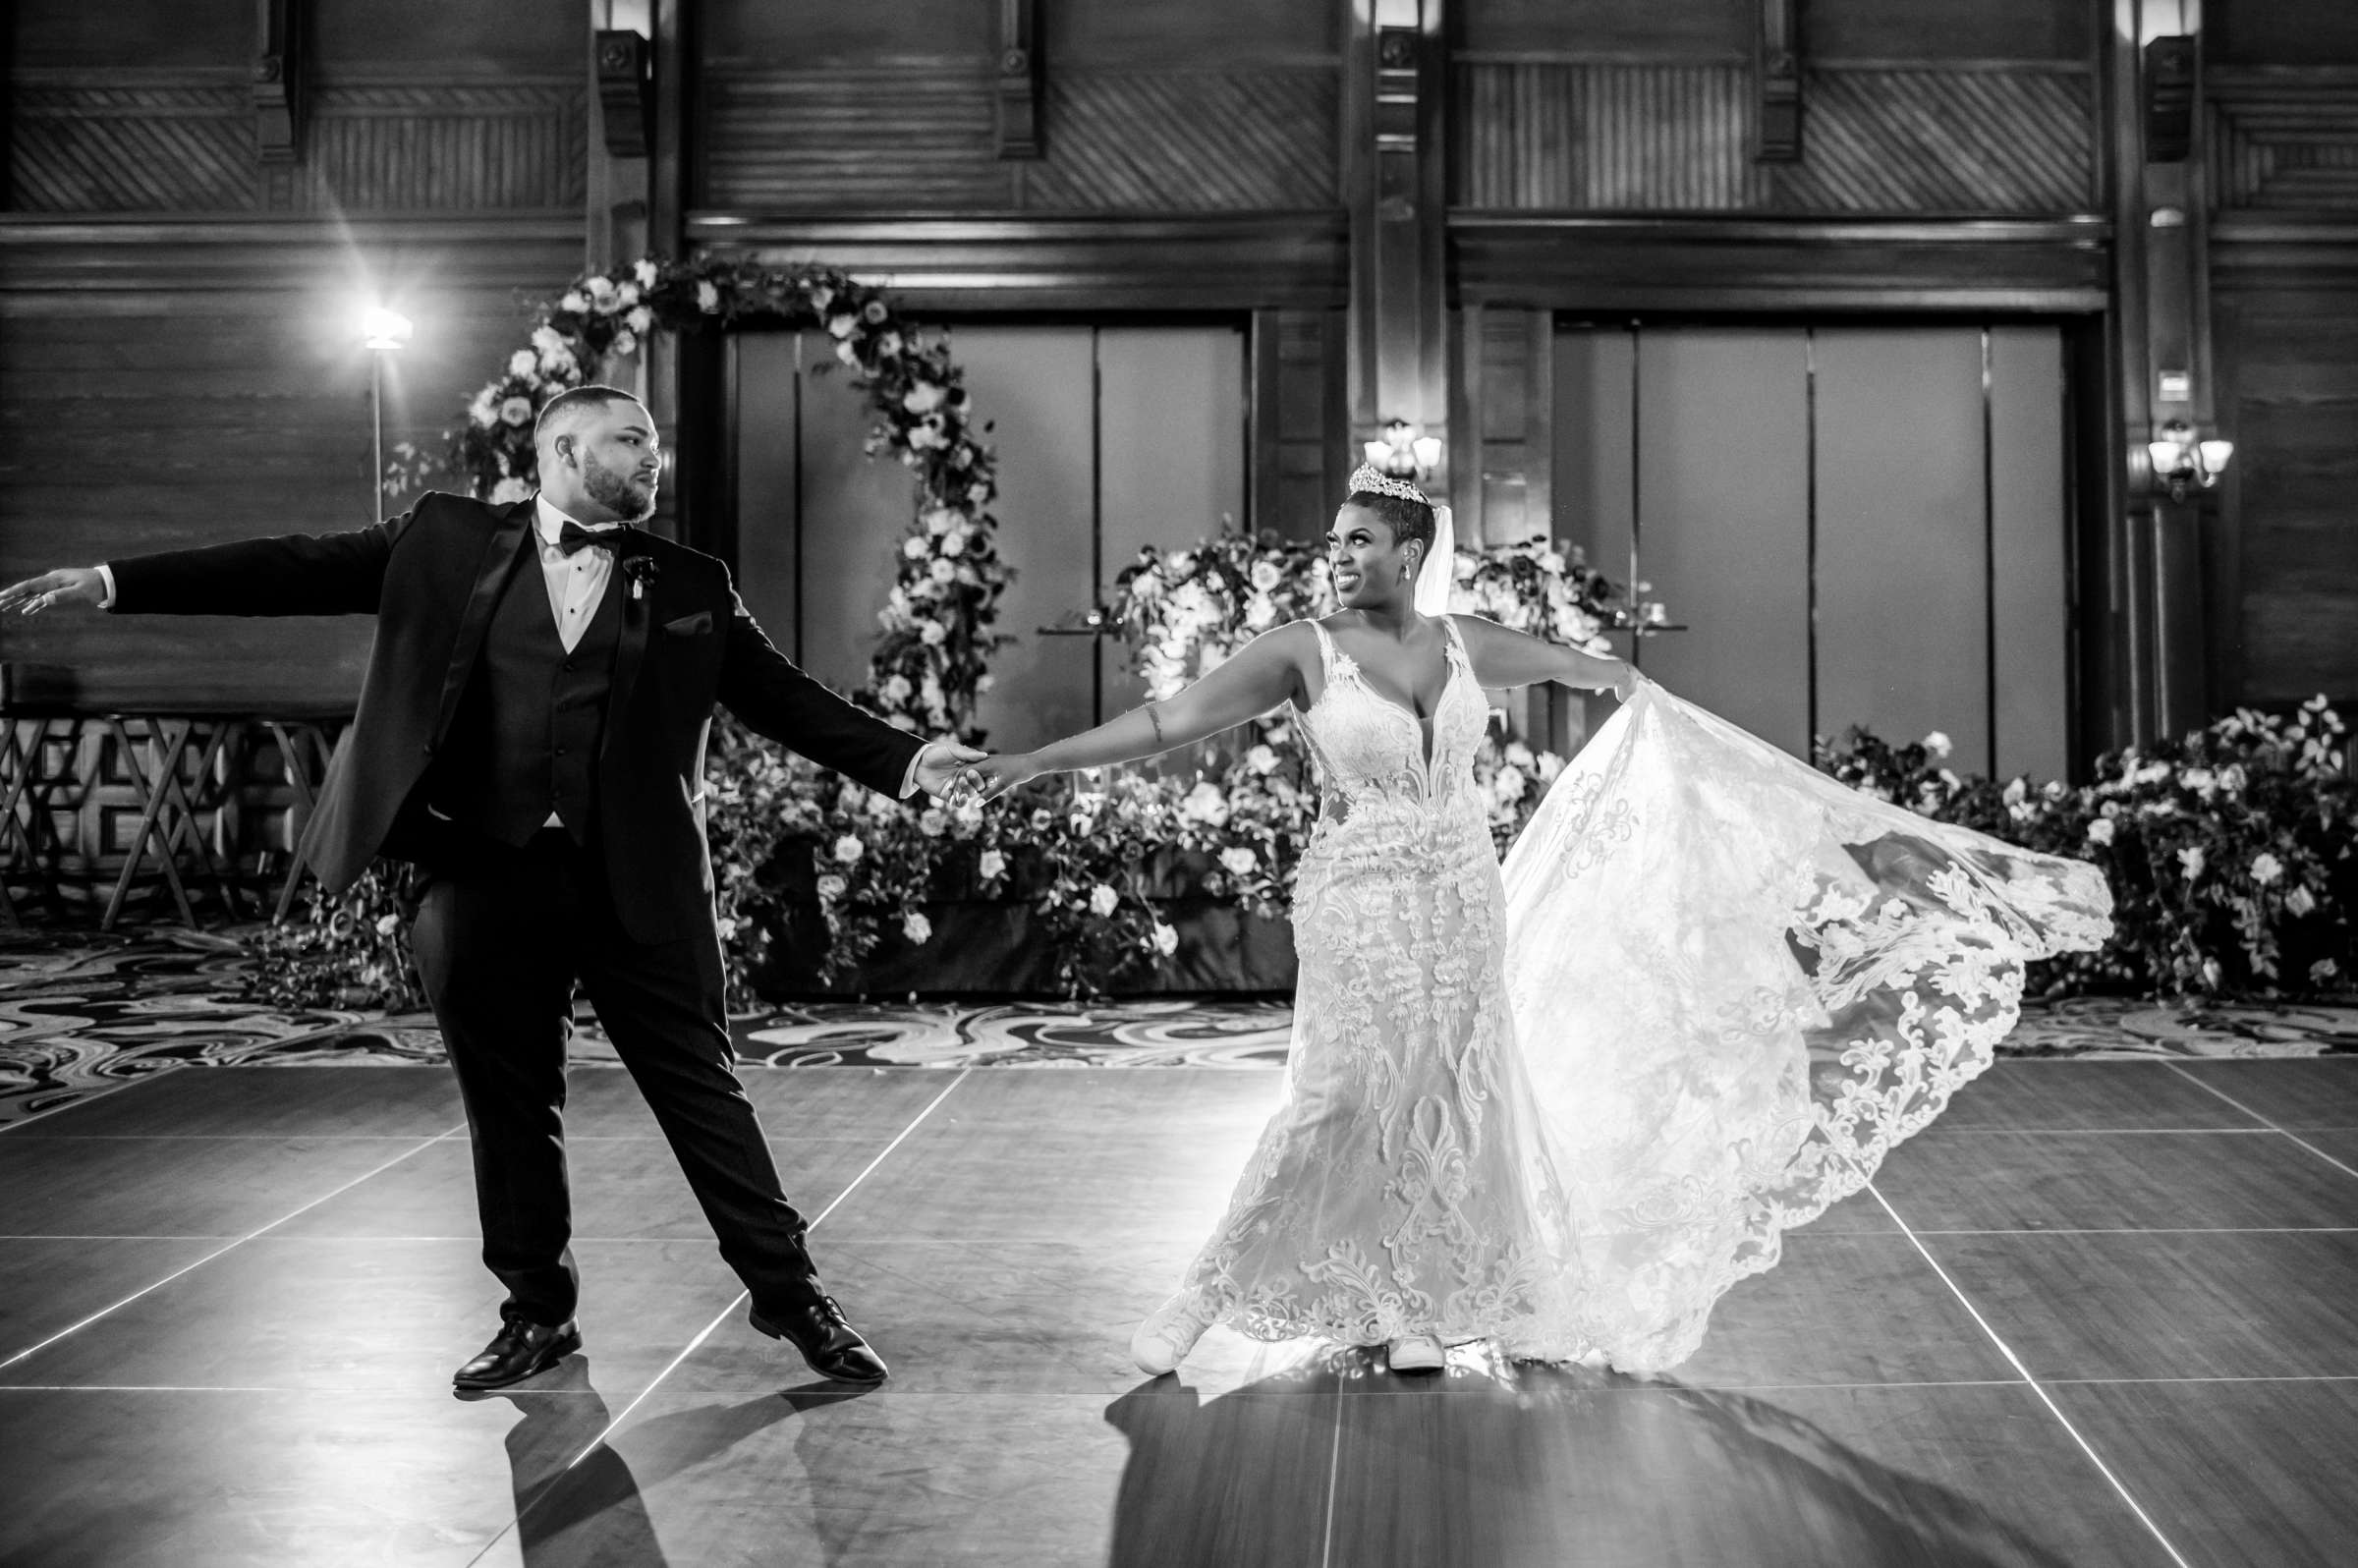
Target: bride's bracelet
{"x":1154,"y":720}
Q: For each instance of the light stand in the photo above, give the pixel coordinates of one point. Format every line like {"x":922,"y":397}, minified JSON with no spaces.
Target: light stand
{"x":384,"y":332}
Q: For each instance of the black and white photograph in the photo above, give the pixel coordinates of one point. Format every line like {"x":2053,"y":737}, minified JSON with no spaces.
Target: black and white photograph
{"x":1179,"y":783}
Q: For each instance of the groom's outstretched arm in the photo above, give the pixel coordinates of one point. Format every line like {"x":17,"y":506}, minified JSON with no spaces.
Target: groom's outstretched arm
{"x":325,"y":574}
{"x":778,"y":700}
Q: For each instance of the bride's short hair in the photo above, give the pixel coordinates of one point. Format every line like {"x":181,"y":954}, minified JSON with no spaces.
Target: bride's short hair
{"x":1407,"y":519}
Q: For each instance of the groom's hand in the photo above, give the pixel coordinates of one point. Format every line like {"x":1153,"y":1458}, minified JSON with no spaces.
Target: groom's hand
{"x":67,"y":585}
{"x":939,"y":765}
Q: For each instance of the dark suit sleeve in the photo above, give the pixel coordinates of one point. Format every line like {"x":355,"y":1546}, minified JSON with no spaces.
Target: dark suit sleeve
{"x":295,"y":574}
{"x":764,"y":686}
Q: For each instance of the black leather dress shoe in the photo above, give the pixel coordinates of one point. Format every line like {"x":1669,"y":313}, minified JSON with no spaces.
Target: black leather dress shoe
{"x":833,"y":1346}
{"x":517,"y":1350}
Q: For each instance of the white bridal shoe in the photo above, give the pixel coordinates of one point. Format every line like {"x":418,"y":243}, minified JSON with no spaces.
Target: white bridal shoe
{"x":1169,"y":1332}
{"x":1419,"y":1353}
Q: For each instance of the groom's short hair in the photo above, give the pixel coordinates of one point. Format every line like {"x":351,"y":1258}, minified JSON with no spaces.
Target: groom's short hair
{"x":571,"y":404}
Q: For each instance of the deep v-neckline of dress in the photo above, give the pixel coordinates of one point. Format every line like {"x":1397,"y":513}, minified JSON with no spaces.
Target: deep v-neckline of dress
{"x":1342,"y":666}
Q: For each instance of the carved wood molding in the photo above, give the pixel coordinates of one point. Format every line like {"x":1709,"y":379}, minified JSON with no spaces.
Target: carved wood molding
{"x":278,"y":81}
{"x":625,"y":91}
{"x":1276,"y":261}
{"x":1776,"y":83}
{"x":1746,"y":264}
{"x":1017,"y":99}
{"x":77,"y":258}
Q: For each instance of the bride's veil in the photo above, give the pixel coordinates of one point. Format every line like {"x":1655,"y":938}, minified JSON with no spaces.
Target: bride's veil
{"x":1737,"y":983}
{"x":1438,"y":575}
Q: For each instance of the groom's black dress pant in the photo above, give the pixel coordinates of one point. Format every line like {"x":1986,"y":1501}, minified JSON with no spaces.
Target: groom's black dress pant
{"x":501,"y":935}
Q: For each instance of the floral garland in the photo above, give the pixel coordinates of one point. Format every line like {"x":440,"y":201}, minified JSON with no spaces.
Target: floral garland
{"x":931,"y":662}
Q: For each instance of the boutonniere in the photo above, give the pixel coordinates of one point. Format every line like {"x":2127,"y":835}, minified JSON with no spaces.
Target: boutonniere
{"x":639,"y":571}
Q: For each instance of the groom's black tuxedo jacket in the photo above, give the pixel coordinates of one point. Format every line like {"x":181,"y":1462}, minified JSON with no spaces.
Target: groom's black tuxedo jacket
{"x":432,"y":577}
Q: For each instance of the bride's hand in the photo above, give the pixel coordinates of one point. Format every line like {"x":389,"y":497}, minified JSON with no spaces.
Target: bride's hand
{"x":994,"y":776}
{"x":1625,"y":683}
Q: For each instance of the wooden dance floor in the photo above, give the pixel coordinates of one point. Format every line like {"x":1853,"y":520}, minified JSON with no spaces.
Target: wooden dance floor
{"x":2106,"y":1313}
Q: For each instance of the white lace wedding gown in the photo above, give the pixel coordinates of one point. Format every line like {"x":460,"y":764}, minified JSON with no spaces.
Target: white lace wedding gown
{"x":1566,"y":1109}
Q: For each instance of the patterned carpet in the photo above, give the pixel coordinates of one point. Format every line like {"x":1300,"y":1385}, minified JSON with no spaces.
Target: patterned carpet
{"x":83,"y":1013}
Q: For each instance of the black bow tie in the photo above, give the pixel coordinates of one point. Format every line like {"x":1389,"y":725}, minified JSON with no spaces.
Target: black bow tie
{"x":573,"y":537}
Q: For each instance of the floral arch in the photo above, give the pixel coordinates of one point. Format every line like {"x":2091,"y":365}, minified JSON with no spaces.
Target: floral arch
{"x":930,"y":663}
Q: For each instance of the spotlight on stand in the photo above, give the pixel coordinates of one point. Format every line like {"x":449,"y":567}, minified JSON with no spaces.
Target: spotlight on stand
{"x":2182,"y":463}
{"x":383,"y":331}
{"x":1404,"y":454}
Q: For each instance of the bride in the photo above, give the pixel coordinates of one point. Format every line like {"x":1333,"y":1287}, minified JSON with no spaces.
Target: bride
{"x":1566,"y":1108}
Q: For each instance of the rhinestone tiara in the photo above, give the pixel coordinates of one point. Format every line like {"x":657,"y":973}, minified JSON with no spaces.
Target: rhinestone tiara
{"x":1368,"y":479}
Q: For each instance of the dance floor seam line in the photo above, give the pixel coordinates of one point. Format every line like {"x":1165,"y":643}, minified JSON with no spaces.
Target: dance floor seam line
{"x":723,"y":1316}
{"x":219,"y":1252}
{"x":2283,"y":1132}
{"x":2016,"y":1362}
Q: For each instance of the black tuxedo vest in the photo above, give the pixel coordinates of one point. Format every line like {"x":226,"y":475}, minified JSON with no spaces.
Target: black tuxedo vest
{"x":524,"y":742}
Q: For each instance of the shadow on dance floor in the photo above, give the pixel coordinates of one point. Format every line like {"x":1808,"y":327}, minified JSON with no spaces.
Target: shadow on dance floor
{"x":1537,"y":1465}
{"x":593,"y":1511}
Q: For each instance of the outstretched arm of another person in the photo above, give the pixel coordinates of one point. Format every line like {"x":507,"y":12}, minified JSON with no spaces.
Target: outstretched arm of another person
{"x":1504,"y":659}
{"x":1265,"y":672}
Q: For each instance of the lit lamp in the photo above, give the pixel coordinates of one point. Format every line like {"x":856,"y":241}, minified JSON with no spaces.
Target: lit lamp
{"x":2182,"y":463}
{"x":384,"y":332}
{"x":1402,"y":453}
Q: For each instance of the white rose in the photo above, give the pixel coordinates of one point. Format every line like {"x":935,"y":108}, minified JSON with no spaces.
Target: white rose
{"x":931,"y":634}
{"x":708,"y":298}
{"x":942,"y":571}
{"x":2300,"y":901}
{"x":2099,"y":831}
{"x":627,"y":295}
{"x":831,"y":886}
{"x":984,"y":682}
{"x":1238,"y":860}
{"x":954,"y":543}
{"x":901,"y":721}
{"x":914,"y":548}
{"x":990,"y":865}
{"x":917,"y":927}
{"x":1261,"y":759}
{"x":387,"y":924}
{"x":524,"y":362}
{"x":641,"y":319}
{"x":896,"y":689}
{"x":1205,"y":804}
{"x":2190,"y":862}
{"x":517,"y":411}
{"x":484,"y":409}
{"x":624,"y":343}
{"x":1551,"y":766}
{"x":1266,"y":574}
{"x":574,"y":301}
{"x":932,"y":821}
{"x":2265,"y":868}
{"x":1103,"y":900}
{"x":1937,"y":744}
{"x":922,"y":398}
{"x":645,"y":271}
{"x":601,"y":289}
{"x":848,"y":849}
{"x":1510,"y":784}
{"x":1166,"y":939}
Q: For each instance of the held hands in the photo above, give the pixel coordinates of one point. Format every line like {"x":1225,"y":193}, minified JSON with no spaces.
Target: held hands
{"x":939,"y":766}
{"x":993,"y":776}
{"x":1625,"y":681}
{"x":67,"y":585}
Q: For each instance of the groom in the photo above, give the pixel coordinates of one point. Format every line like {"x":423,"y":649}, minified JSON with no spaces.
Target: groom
{"x":532,"y":736}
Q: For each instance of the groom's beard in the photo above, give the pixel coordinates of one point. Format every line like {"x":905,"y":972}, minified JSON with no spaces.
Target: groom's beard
{"x":630,"y":500}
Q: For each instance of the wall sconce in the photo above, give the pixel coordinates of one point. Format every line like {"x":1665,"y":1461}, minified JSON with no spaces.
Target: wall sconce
{"x":1403,"y":453}
{"x":2182,"y":463}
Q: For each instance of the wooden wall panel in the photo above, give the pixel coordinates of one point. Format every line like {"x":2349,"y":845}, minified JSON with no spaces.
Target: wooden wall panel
{"x":161,"y":389}
{"x":1613,"y":135}
{"x":1300,"y":424}
{"x":2283,"y":138}
{"x":917,"y":138}
{"x":2289,"y":400}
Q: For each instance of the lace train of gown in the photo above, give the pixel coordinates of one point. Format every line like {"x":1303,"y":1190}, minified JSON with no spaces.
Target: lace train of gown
{"x":1567,"y":1107}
